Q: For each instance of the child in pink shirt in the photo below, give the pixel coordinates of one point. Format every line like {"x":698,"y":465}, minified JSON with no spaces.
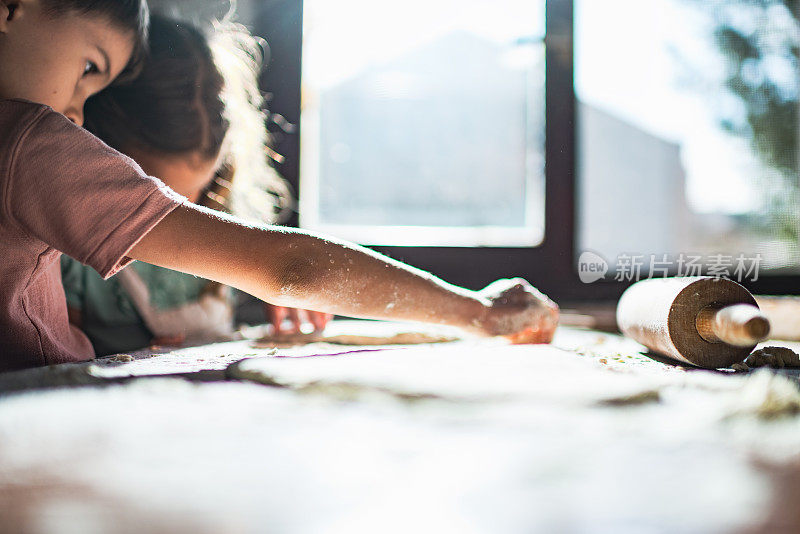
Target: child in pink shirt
{"x":63,"y":190}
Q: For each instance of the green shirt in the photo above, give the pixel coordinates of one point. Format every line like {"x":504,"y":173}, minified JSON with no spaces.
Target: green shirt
{"x":109,"y":316}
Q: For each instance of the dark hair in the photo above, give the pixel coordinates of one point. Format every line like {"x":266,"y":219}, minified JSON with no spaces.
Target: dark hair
{"x":129,"y":15}
{"x":198,"y":93}
{"x":174,"y":106}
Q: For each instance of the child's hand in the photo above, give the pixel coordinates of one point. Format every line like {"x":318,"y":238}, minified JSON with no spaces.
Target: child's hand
{"x":277,"y":314}
{"x":519,"y":311}
{"x":168,"y":341}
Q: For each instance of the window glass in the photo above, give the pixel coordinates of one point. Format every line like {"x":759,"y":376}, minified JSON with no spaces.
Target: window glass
{"x":688,"y":130}
{"x":423,"y":121}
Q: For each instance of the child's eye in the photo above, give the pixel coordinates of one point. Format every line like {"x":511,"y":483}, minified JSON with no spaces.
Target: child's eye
{"x":90,"y":68}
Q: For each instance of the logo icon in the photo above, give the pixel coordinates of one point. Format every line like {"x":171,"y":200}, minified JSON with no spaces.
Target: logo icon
{"x":591,"y":267}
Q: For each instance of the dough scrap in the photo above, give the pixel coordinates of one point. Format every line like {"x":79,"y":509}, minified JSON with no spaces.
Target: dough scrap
{"x":767,"y":395}
{"x":775,"y":357}
{"x":634,"y":399}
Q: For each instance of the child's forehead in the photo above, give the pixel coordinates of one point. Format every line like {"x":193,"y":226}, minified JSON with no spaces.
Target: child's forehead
{"x":115,"y":42}
{"x":101,"y":27}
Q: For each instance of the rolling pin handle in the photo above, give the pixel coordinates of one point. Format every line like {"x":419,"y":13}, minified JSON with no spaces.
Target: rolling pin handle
{"x":740,"y":325}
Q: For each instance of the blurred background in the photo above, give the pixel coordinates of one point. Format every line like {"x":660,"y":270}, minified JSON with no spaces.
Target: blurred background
{"x":482,"y":139}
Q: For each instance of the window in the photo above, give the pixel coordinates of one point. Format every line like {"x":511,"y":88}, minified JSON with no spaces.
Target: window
{"x":688,"y":136}
{"x":423,"y":121}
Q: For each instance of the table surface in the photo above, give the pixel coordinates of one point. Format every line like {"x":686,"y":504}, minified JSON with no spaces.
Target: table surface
{"x":584,"y":435}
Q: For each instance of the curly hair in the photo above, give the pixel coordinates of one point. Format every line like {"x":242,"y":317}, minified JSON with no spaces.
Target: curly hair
{"x":239,"y":57}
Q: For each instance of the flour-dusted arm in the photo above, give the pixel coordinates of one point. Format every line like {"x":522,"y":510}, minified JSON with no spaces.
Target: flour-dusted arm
{"x":295,"y":268}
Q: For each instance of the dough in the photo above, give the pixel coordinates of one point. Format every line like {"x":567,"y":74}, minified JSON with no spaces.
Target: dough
{"x":642,"y":397}
{"x":121,"y":358}
{"x":775,"y":357}
{"x":767,"y":395}
{"x":401,"y":338}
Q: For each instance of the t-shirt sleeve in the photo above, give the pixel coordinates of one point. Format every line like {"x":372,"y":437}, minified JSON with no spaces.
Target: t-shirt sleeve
{"x":76,"y":194}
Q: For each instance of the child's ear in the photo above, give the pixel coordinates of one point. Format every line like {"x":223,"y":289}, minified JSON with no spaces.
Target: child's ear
{"x":7,"y":8}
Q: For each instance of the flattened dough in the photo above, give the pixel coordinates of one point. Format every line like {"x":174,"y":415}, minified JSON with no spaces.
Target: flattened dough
{"x":402,"y":338}
{"x":365,"y":333}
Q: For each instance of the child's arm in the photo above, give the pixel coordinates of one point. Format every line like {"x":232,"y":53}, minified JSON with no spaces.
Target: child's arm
{"x":294,"y":268}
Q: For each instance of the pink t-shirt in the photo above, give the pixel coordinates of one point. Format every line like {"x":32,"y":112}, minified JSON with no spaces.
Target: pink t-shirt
{"x":61,"y":190}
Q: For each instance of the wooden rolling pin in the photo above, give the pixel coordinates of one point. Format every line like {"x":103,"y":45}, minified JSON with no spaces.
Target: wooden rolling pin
{"x":704,"y":321}
{"x":783,"y":314}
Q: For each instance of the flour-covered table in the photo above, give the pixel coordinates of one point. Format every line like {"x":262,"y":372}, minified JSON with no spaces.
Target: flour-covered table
{"x":586,"y":435}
